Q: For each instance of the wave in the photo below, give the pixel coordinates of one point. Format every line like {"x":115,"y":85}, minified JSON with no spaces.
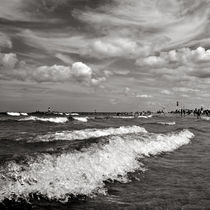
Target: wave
{"x":166,"y":123}
{"x":89,"y":133}
{"x":74,"y":114}
{"x":132,"y":117}
{"x":44,"y":119}
{"x":14,"y":114}
{"x":145,"y":116}
{"x":81,"y":119}
{"x":24,"y":114}
{"x":205,"y":118}
{"x":123,"y":117}
{"x":84,"y":172}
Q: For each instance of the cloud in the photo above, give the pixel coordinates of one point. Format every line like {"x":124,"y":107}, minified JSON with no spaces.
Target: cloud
{"x":81,"y":72}
{"x":78,"y":71}
{"x":132,"y":29}
{"x":55,"y":73}
{"x":165,"y":92}
{"x":183,"y":56}
{"x":108,"y":73}
{"x":8,"y":60}
{"x":185,"y":89}
{"x":143,"y":96}
{"x":117,"y":47}
{"x":11,"y":10}
{"x":66,"y":59}
{"x":126,"y":90}
{"x":114,"y":101}
{"x":162,"y":24}
{"x":181,"y":64}
{"x":5,"y":41}
{"x":144,"y":45}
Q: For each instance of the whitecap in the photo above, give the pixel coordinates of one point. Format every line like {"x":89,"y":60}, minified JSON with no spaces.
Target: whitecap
{"x":166,"y":123}
{"x":81,"y":119}
{"x":89,"y":133}
{"x":123,"y":117}
{"x":24,"y":114}
{"x":84,"y":172}
{"x":15,"y":114}
{"x":205,"y":118}
{"x":145,"y":116}
{"x":45,"y":119}
{"x":74,"y":114}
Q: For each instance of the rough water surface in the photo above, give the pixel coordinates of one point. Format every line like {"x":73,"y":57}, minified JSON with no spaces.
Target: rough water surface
{"x":159,"y":162}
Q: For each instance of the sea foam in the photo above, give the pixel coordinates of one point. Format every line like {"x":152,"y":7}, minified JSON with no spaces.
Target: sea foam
{"x":24,"y":114}
{"x":14,"y":114}
{"x":145,"y":116}
{"x":205,"y":118}
{"x":89,"y":133}
{"x":81,"y":119}
{"x":166,"y":123}
{"x":45,"y":119}
{"x":84,"y":172}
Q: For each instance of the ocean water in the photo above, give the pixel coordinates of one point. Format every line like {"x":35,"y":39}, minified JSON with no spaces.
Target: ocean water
{"x":159,"y":162}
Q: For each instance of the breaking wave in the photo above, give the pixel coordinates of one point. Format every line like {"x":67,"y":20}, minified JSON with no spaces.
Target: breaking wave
{"x":145,"y":116}
{"x":205,"y":118}
{"x":24,"y":114}
{"x":166,"y":123}
{"x":14,"y":114}
{"x":81,"y":119}
{"x":123,"y":117}
{"x":44,"y":119}
{"x":84,"y":172}
{"x":89,"y":133}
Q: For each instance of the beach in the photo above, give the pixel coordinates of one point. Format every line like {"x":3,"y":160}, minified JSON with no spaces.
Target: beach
{"x":156,"y":162}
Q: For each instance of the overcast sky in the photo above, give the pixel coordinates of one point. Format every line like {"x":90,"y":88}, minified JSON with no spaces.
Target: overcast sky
{"x":108,"y":55}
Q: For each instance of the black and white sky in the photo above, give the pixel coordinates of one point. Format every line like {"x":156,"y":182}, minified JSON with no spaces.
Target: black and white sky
{"x":109,"y":55}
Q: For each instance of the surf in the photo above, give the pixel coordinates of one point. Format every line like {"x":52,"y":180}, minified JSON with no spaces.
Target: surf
{"x":167,"y":123}
{"x":84,"y":172}
{"x":89,"y":133}
{"x":46,"y":119}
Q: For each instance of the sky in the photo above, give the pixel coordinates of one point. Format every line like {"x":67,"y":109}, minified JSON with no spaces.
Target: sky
{"x":104,"y":55}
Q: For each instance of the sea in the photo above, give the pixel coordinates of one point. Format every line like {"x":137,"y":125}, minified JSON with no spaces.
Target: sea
{"x":158,"y":162}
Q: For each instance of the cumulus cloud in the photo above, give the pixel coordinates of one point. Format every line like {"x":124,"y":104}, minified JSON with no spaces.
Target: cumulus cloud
{"x":78,"y":71}
{"x":111,"y":46}
{"x":183,"y":56}
{"x":8,"y":60}
{"x":55,"y":73}
{"x":81,"y":71}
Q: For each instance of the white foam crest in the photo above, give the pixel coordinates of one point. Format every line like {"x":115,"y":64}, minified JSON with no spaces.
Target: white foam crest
{"x":90,"y":133}
{"x":123,"y":117}
{"x":205,"y":118}
{"x":84,"y":172}
{"x":44,"y":119}
{"x":24,"y":114}
{"x":15,"y":114}
{"x":74,"y":114}
{"x":81,"y":119}
{"x":166,"y":123}
{"x":145,"y":116}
